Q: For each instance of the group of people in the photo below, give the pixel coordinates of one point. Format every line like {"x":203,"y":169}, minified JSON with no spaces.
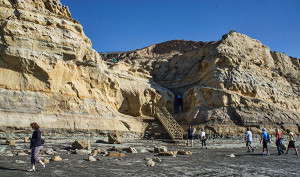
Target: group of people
{"x":190,"y":137}
{"x":265,"y":140}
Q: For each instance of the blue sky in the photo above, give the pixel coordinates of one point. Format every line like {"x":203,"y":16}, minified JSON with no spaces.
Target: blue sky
{"x":121,"y":25}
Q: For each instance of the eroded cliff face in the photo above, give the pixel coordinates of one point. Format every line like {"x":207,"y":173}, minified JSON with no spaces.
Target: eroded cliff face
{"x":50,"y":74}
{"x":226,"y":85}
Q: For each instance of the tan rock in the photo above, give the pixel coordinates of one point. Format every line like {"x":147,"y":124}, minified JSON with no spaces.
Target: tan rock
{"x":170,"y":153}
{"x":184,"y":152}
{"x":56,"y":158}
{"x":26,"y":140}
{"x":10,"y":142}
{"x":82,"y":144}
{"x":116,"y":154}
{"x":114,"y":138}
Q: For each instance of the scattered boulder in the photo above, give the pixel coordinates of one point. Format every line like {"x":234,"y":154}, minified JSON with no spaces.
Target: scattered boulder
{"x":82,"y":144}
{"x":183,"y":152}
{"x":10,"y":142}
{"x":56,"y":149}
{"x":232,"y":155}
{"x":158,"y":149}
{"x":98,"y":158}
{"x":95,"y":152}
{"x":56,"y":158}
{"x":92,"y":159}
{"x":45,"y":160}
{"x":20,"y":161}
{"x":26,"y":140}
{"x":116,"y":154}
{"x":131,"y":150}
{"x":156,"y":159}
{"x":141,"y":150}
{"x":21,"y":153}
{"x":49,"y":151}
{"x":2,"y":148}
{"x":83,"y":152}
{"x":114,"y":138}
{"x":150,"y":163}
{"x":170,"y":153}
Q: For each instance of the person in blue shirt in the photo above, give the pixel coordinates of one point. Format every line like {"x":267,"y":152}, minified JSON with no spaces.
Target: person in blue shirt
{"x":265,"y":139}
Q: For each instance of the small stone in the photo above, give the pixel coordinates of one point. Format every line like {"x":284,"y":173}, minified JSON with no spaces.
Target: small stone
{"x":232,"y":155}
{"x":114,"y":138}
{"x":98,"y":158}
{"x":156,"y":159}
{"x":56,"y":158}
{"x":158,"y":149}
{"x":170,"y":153}
{"x":21,"y":154}
{"x":26,"y":140}
{"x":150,"y":163}
{"x":184,"y":152}
{"x":49,"y":151}
{"x":56,"y":149}
{"x":95,"y":152}
{"x":19,"y":161}
{"x":45,"y":160}
{"x":116,"y":154}
{"x":10,"y":142}
{"x":131,"y":150}
{"x":83,"y":152}
{"x":92,"y":159}
{"x":82,"y":144}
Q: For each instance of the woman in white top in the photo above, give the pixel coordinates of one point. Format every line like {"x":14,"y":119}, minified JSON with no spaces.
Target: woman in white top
{"x":203,"y":139}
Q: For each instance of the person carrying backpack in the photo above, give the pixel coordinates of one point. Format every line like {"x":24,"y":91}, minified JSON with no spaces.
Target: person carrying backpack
{"x":279,"y":142}
{"x":265,"y":139}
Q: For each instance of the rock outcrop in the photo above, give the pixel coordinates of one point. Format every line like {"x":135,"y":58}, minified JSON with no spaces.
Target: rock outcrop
{"x":50,"y":74}
{"x":226,"y":85}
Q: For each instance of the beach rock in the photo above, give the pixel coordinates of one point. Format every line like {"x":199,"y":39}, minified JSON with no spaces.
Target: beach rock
{"x":170,"y":153}
{"x":156,"y":159}
{"x":98,"y":159}
{"x":92,"y":159}
{"x":22,"y":154}
{"x":26,"y":140}
{"x":56,"y":158}
{"x":158,"y":149}
{"x":49,"y":151}
{"x":114,"y":138}
{"x":131,"y":150}
{"x":150,"y":163}
{"x":2,"y":148}
{"x":20,"y":161}
{"x":142,"y":150}
{"x":82,"y":144}
{"x":10,"y":142}
{"x":114,"y":154}
{"x":83,"y":152}
{"x":45,"y":160}
{"x":184,"y":152}
{"x":95,"y":152}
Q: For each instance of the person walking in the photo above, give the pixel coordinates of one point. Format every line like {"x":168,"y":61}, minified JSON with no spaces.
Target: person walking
{"x":190,"y":135}
{"x":265,"y":139}
{"x":248,"y":139}
{"x":203,"y":139}
{"x":292,"y":143}
{"x":35,"y":146}
{"x":279,"y":142}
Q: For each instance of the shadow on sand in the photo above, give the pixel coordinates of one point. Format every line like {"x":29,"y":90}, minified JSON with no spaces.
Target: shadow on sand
{"x":11,"y":169}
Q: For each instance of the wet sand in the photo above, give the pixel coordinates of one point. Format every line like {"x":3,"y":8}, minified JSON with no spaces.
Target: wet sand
{"x":214,"y":161}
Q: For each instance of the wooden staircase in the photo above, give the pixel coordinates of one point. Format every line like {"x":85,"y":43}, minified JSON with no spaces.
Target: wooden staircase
{"x":173,"y":128}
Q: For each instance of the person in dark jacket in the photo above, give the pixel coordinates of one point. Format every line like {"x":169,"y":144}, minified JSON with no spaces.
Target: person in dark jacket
{"x":35,"y":146}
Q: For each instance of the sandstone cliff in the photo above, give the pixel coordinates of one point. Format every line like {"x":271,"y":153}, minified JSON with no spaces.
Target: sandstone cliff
{"x":226,"y":85}
{"x":50,"y":74}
